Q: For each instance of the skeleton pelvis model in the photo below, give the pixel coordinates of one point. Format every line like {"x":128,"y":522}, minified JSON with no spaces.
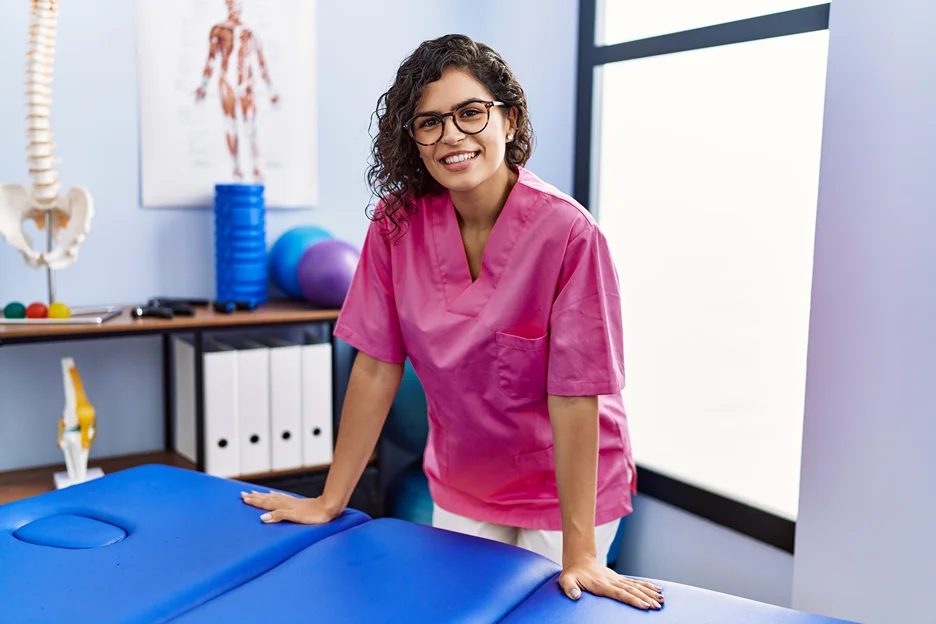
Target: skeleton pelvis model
{"x":69,"y":215}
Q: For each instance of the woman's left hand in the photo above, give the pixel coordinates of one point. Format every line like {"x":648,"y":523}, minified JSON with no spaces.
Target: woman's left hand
{"x":591,"y":576}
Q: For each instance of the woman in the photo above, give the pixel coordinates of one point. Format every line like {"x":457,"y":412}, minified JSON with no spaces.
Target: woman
{"x":502,"y":293}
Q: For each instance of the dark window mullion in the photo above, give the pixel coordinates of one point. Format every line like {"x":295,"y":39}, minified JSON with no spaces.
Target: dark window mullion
{"x":795,"y":22}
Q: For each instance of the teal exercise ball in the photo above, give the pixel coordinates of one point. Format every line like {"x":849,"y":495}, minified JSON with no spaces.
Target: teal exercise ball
{"x":286,"y":254}
{"x":407,"y":423}
{"x":408,"y":495}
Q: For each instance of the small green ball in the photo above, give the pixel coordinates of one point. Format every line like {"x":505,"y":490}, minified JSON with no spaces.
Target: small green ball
{"x":14,"y":310}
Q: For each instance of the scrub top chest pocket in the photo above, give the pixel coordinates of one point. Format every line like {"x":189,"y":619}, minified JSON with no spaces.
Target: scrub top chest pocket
{"x":522,"y":365}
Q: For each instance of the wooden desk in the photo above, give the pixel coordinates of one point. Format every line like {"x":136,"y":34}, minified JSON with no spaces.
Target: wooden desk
{"x":277,"y":313}
{"x":18,"y":484}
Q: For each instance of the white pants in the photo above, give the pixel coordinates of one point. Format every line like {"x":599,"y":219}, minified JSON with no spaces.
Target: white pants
{"x":546,"y":543}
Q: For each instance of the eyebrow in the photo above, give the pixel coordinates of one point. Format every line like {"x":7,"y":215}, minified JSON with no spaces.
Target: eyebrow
{"x":457,"y":106}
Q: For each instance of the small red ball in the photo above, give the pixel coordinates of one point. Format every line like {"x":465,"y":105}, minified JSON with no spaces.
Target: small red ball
{"x":37,"y":310}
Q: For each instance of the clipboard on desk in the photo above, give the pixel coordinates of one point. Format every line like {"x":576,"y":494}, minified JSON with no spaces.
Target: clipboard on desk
{"x":88,"y":315}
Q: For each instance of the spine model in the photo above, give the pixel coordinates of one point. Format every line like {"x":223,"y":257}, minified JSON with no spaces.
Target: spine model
{"x":41,"y":57}
{"x":68,"y":216}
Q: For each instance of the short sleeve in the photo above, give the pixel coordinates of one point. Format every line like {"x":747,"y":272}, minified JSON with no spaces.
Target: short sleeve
{"x":368,"y":320}
{"x":586,"y":344}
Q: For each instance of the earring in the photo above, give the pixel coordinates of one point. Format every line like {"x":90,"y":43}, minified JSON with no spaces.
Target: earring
{"x":510,"y":137}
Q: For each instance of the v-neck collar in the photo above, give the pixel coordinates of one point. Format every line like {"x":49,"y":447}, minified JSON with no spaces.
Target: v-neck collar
{"x":462,"y":295}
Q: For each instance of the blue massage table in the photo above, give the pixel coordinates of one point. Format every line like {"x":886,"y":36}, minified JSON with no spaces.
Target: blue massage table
{"x":161,"y":544}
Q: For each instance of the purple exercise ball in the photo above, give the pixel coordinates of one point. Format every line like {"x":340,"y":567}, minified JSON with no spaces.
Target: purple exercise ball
{"x":325,"y":272}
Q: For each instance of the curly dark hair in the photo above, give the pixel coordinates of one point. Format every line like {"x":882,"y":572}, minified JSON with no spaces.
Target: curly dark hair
{"x":395,"y":174}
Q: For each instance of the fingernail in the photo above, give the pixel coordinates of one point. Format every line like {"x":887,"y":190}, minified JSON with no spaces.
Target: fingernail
{"x":244,"y":494}
{"x":265,"y":517}
{"x":656,"y":604}
{"x":576,"y":593}
{"x":645,"y":604}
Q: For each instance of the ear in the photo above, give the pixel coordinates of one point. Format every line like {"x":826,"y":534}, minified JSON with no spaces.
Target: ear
{"x":512,"y":122}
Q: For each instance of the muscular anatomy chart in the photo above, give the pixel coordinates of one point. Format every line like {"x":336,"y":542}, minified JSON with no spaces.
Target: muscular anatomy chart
{"x":227,"y":96}
{"x":236,"y":52}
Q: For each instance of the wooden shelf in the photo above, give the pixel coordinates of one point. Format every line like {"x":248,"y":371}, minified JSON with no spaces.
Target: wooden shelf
{"x":273,"y":313}
{"x":258,"y":476}
{"x":262,"y":476}
{"x":19,"y":484}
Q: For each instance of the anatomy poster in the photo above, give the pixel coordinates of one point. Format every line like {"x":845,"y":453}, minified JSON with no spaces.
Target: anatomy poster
{"x":227,"y":95}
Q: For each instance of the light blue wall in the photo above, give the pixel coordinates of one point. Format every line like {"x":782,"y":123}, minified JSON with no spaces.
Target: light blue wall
{"x":95,"y":121}
{"x":360,"y":45}
{"x":666,"y":542}
{"x":540,"y":41}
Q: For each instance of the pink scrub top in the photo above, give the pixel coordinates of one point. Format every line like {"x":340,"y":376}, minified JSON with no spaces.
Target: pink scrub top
{"x":543,"y":317}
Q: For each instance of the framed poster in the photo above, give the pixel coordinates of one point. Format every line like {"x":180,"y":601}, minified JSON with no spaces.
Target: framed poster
{"x":227,"y":95}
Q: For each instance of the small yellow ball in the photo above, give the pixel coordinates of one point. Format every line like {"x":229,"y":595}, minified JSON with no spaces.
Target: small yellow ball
{"x":59,"y":310}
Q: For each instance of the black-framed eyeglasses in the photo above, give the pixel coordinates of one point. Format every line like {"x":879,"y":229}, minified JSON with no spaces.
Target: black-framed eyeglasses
{"x":471,"y":117}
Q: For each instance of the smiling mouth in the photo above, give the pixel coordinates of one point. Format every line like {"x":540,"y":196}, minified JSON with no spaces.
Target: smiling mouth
{"x":457,"y":158}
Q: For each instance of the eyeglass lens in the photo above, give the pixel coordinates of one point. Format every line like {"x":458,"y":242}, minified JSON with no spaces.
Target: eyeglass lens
{"x":470,"y":119}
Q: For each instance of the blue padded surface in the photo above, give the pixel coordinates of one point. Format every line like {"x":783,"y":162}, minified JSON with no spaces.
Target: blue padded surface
{"x":683,"y":605}
{"x":189,"y":538}
{"x":390,"y":571}
{"x":70,"y":531}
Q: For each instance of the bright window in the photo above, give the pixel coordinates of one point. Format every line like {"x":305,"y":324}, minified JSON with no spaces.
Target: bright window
{"x":708,"y":171}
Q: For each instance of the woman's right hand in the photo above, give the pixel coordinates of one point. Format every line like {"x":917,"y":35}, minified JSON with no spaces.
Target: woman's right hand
{"x":281,"y":507}
{"x":371,"y":389}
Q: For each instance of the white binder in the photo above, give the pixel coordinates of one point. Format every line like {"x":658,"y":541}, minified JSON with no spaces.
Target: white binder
{"x":285,"y":403}
{"x":222,"y":450}
{"x":253,"y":404}
{"x":317,"y":401}
{"x":184,"y":413}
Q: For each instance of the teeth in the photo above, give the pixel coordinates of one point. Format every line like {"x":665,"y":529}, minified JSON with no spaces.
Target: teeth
{"x":459,"y":158}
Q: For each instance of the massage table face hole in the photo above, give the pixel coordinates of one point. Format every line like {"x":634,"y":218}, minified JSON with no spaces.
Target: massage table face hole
{"x":71,"y":531}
